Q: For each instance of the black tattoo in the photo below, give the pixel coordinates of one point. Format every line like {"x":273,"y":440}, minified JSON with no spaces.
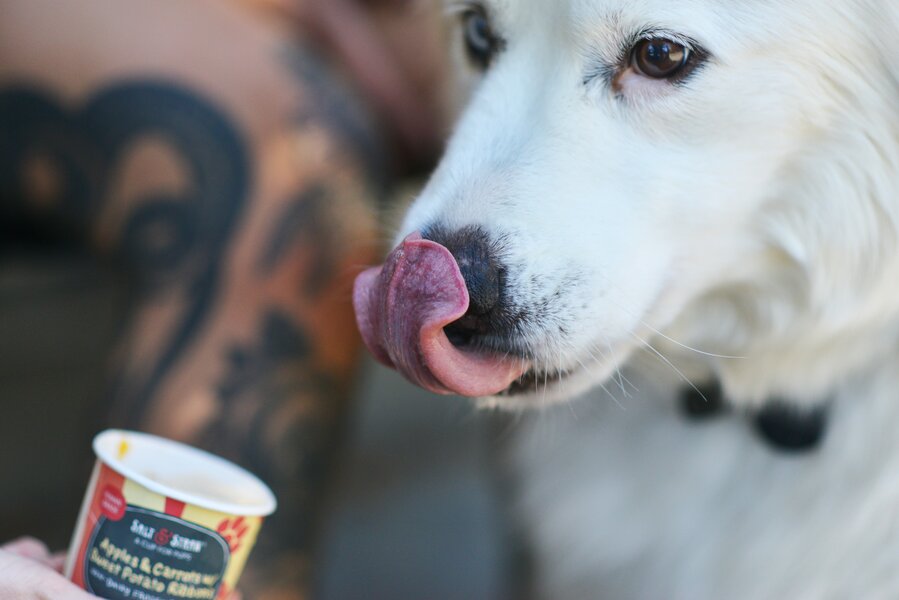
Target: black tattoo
{"x":281,"y":417}
{"x":336,"y":107}
{"x":280,"y":413}
{"x":305,"y":221}
{"x":280,"y":342}
{"x":167,"y":238}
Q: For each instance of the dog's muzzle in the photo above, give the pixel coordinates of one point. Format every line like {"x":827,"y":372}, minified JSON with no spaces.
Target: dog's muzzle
{"x":405,"y":308}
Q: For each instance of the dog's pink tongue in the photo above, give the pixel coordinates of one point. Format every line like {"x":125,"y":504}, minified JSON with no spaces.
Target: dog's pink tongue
{"x":402,"y":308}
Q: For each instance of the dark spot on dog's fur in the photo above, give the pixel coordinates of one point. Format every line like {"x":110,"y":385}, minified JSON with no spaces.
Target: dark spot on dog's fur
{"x":791,"y":429}
{"x":703,"y":402}
{"x":783,"y":426}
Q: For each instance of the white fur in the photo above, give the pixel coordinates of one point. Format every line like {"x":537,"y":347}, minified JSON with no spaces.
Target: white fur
{"x":638,"y":503}
{"x":752,"y":212}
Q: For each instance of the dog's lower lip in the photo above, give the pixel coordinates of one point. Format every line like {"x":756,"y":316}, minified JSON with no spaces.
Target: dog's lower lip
{"x":533,"y":380}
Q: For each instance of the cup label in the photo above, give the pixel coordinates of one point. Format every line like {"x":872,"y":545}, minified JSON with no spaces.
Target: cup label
{"x":146,"y":555}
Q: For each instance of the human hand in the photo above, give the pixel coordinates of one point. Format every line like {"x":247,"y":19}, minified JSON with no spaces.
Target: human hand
{"x":28,"y":571}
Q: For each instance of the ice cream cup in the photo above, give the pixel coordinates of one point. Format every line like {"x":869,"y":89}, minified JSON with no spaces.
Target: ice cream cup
{"x":164,"y":521}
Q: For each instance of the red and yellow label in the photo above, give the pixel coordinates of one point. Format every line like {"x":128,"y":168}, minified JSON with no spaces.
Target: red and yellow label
{"x":139,"y":545}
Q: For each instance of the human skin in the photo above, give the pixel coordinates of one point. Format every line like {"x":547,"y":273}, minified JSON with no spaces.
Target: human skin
{"x":28,"y":571}
{"x":235,"y":179}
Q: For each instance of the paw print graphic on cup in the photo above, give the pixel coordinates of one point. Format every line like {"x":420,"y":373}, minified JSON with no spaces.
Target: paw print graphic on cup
{"x":233,"y":531}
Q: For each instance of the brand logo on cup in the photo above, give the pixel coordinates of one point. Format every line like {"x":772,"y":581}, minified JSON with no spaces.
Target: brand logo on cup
{"x":162,"y":537}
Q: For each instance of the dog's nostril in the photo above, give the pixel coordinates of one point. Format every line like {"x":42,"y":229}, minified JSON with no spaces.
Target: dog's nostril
{"x":484,"y":278}
{"x":461,"y":332}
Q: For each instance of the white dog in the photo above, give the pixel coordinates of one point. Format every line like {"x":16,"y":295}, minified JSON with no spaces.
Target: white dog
{"x":643,"y":195}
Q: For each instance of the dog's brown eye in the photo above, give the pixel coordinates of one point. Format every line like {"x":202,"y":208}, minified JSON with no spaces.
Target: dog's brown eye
{"x":660,"y":58}
{"x":480,"y":43}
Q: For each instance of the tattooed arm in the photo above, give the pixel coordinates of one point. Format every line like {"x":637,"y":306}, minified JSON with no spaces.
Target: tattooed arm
{"x":233,"y":179}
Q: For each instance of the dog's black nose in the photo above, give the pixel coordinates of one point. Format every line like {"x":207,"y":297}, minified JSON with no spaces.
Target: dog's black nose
{"x":476,"y":255}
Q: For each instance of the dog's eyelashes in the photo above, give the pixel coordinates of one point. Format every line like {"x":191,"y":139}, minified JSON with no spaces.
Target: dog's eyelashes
{"x":660,"y":58}
{"x":480,"y":42}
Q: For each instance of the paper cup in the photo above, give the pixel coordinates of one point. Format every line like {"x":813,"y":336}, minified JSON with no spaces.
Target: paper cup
{"x":164,"y":521}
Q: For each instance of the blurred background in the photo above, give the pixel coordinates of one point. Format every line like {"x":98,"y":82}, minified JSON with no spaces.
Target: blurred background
{"x":187,"y":190}
{"x":415,"y":512}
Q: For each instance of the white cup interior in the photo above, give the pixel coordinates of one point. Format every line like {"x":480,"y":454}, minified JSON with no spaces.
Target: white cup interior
{"x":184,"y":473}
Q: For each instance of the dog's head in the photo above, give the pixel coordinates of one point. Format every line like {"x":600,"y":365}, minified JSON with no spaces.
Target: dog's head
{"x":634,"y":173}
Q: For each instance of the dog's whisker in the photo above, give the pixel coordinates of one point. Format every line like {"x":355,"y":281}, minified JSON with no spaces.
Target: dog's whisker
{"x":562,"y":384}
{"x":617,"y":369}
{"x":686,"y":347}
{"x":602,"y":359}
{"x":600,"y":362}
{"x":670,"y":339}
{"x":629,"y":384}
{"x":545,"y":382}
{"x":602,"y":386}
{"x":670,"y":364}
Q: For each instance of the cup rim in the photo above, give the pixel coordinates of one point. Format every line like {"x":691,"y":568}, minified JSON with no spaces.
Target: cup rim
{"x":102,"y":448}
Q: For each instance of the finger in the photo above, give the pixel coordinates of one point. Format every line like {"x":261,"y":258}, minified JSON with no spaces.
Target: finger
{"x":28,"y":547}
{"x":63,"y":589}
{"x":22,"y":577}
{"x":57,"y":561}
